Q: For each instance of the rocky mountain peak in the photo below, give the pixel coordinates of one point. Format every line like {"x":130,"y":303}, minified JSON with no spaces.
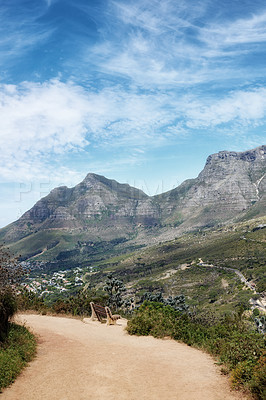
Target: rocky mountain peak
{"x":257,"y":154}
{"x":100,"y":183}
{"x":230,"y":183}
{"x":92,"y":178}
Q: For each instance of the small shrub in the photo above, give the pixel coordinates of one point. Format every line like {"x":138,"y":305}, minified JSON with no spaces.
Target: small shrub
{"x":255,"y":312}
{"x":78,"y":305}
{"x":178,"y":303}
{"x":258,"y":381}
{"x":241,"y":373}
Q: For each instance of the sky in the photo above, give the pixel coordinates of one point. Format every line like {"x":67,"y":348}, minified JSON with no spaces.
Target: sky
{"x":139,"y":91}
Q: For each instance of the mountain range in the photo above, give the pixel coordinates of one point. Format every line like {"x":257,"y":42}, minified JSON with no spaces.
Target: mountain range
{"x":99,"y":214}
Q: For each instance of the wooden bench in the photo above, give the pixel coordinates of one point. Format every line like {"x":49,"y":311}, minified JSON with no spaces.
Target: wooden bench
{"x":99,"y":313}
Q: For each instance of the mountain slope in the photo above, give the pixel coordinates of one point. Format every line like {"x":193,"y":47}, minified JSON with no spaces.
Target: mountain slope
{"x":96,"y":204}
{"x":99,"y":214}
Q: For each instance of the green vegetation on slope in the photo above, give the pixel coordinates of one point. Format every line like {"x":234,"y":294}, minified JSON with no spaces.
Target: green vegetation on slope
{"x":172,"y":267}
{"x":231,"y":340}
{"x":18,"y":349}
{"x":173,"y":264}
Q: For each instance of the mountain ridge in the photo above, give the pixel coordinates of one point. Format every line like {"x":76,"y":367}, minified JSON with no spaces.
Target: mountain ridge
{"x":231,"y":185}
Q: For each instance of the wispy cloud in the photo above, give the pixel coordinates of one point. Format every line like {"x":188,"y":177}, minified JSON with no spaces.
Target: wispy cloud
{"x":159,"y":17}
{"x":239,"y":32}
{"x":150,"y":48}
{"x":21,"y":31}
{"x":49,"y":2}
{"x":163,"y":44}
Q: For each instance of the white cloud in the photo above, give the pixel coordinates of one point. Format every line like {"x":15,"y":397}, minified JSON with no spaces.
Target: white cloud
{"x":40,"y":117}
{"x":38,"y":120}
{"x":150,"y":47}
{"x":248,"y":108}
{"x":42,"y":124}
{"x":149,"y":64}
{"x":242,"y":31}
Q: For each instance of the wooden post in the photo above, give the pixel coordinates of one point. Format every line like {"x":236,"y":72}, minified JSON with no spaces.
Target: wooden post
{"x":93,"y":314}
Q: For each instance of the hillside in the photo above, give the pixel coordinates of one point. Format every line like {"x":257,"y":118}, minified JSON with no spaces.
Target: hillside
{"x":181,"y":265}
{"x":100,"y":217}
{"x":202,"y":265}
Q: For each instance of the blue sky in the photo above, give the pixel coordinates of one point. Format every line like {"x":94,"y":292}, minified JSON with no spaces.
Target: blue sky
{"x":139,"y":91}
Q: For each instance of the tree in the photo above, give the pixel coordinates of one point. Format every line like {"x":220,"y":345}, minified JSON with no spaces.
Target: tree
{"x":114,"y":289}
{"x":178,"y":303}
{"x":11,"y":273}
{"x":260,"y":322}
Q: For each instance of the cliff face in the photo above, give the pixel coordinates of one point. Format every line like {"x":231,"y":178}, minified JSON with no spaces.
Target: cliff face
{"x":238,"y":177}
{"x":230,"y":185}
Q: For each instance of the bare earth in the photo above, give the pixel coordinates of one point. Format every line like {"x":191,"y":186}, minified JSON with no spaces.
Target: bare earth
{"x":83,"y":361}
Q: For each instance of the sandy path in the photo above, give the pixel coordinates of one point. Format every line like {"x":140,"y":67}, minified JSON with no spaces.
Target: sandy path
{"x":83,"y":361}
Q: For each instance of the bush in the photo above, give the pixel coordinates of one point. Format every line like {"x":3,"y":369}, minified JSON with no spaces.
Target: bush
{"x":18,"y":349}
{"x":78,"y":304}
{"x":236,"y":345}
{"x":241,"y":373}
{"x":10,"y":276}
{"x":8,"y":307}
{"x":258,"y":380}
{"x":178,"y":303}
{"x":30,"y":301}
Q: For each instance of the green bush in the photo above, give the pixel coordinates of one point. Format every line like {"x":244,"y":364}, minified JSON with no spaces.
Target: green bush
{"x":230,"y":339}
{"x":11,"y":273}
{"x":30,"y":301}
{"x":8,"y":307}
{"x":18,"y":349}
{"x":78,"y":304}
{"x":258,"y":380}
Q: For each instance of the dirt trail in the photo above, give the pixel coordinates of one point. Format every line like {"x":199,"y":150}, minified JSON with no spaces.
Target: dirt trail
{"x":83,"y":361}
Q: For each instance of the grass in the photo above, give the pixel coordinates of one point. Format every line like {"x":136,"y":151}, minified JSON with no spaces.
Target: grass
{"x":15,"y":353}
